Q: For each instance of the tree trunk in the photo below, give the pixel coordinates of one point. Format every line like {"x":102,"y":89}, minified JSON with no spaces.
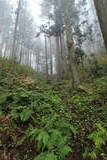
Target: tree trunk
{"x":46,"y":57}
{"x":21,"y":50}
{"x":30,"y":58}
{"x":37,"y":59}
{"x":5,"y":51}
{"x":15,"y":32}
{"x":70,"y":44}
{"x":63,"y":63}
{"x":1,"y":48}
{"x":58,"y":60}
{"x":51,"y":58}
{"x":101,"y":9}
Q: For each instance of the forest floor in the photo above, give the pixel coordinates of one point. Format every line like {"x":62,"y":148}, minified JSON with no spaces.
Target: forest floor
{"x":40,"y":121}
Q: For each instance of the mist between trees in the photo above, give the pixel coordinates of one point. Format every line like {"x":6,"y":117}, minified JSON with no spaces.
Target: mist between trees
{"x":73,"y":34}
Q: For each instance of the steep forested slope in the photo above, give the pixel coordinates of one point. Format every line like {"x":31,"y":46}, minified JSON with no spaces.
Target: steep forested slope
{"x":40,"y":121}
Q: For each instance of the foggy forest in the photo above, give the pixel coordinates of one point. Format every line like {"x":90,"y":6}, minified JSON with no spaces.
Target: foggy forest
{"x":53,"y":79}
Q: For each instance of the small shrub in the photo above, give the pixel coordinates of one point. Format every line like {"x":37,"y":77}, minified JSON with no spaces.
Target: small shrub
{"x":99,"y":139}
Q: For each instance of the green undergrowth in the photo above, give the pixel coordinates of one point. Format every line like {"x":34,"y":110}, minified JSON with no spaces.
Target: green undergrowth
{"x":40,"y":121}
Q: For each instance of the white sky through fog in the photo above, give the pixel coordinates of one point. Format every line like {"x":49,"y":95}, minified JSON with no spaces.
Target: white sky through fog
{"x":35,"y":7}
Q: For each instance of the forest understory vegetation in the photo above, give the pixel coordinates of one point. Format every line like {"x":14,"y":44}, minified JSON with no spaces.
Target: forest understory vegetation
{"x":46,"y":121}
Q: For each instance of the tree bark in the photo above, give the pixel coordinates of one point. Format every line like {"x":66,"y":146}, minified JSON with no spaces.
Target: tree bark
{"x":5,"y":51}
{"x":63,"y":63}
{"x":37,"y":59}
{"x":46,"y":57}
{"x":15,"y":32}
{"x":1,"y":48}
{"x":101,"y":9}
{"x":51,"y":58}
{"x":58,"y":60}
{"x":70,"y":44}
{"x":21,"y":50}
